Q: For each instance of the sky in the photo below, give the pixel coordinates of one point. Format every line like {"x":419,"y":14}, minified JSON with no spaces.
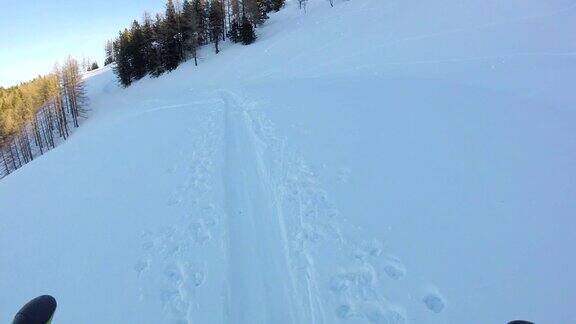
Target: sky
{"x":36,"y":34}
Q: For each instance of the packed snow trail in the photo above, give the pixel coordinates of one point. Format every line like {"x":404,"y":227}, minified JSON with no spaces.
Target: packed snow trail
{"x":256,"y":237}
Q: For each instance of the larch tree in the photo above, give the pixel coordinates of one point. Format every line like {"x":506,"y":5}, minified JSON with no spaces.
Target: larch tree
{"x":34,"y":113}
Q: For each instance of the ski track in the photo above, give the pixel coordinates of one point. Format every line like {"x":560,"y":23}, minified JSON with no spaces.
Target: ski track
{"x":270,"y":219}
{"x":256,"y":240}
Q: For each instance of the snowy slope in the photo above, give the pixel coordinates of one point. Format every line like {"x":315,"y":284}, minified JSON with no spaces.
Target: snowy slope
{"x":376,"y":162}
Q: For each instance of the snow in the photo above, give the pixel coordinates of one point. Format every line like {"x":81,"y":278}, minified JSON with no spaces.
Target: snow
{"x":375,"y":162}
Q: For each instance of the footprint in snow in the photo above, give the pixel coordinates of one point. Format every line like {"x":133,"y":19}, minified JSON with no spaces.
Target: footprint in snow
{"x":147,"y":240}
{"x":394,"y":268}
{"x":197,"y":278}
{"x":353,"y":281}
{"x":369,"y":249}
{"x":141,"y":266}
{"x":376,"y":313}
{"x":173,"y":273}
{"x":434,"y":302}
{"x":200,"y":232}
{"x":345,"y":311}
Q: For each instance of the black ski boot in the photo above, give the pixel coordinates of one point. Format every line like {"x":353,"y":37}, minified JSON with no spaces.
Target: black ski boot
{"x":37,"y":311}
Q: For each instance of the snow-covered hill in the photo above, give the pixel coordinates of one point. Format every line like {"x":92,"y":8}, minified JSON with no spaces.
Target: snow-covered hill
{"x":375,"y":162}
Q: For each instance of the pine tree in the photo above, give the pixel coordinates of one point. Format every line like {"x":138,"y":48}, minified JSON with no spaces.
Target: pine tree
{"x":172,"y":51}
{"x":123,"y":69}
{"x":276,"y":5}
{"x":247,"y":34}
{"x":201,"y":15}
{"x":216,"y":19}
{"x":156,"y":59}
{"x":234,"y":31}
{"x":234,"y":5}
{"x":223,"y":18}
{"x":255,"y":11}
{"x":137,"y":58}
{"x":148,"y":42}
{"x":190,"y":30}
{"x":263,"y":10}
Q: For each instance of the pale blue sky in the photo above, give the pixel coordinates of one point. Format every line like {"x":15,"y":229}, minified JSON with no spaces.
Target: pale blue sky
{"x":34,"y":34}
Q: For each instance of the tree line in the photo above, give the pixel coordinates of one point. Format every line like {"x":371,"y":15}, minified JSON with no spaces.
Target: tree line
{"x":157,"y":45}
{"x":35,"y":116}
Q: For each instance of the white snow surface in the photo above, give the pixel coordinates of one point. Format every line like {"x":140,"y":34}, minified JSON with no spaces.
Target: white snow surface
{"x":392,"y":161}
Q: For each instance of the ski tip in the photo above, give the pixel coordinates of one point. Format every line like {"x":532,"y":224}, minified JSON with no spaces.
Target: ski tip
{"x":37,"y":311}
{"x":520,"y":322}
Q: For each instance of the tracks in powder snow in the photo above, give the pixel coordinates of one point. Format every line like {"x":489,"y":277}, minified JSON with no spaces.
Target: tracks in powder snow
{"x":257,"y":240}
